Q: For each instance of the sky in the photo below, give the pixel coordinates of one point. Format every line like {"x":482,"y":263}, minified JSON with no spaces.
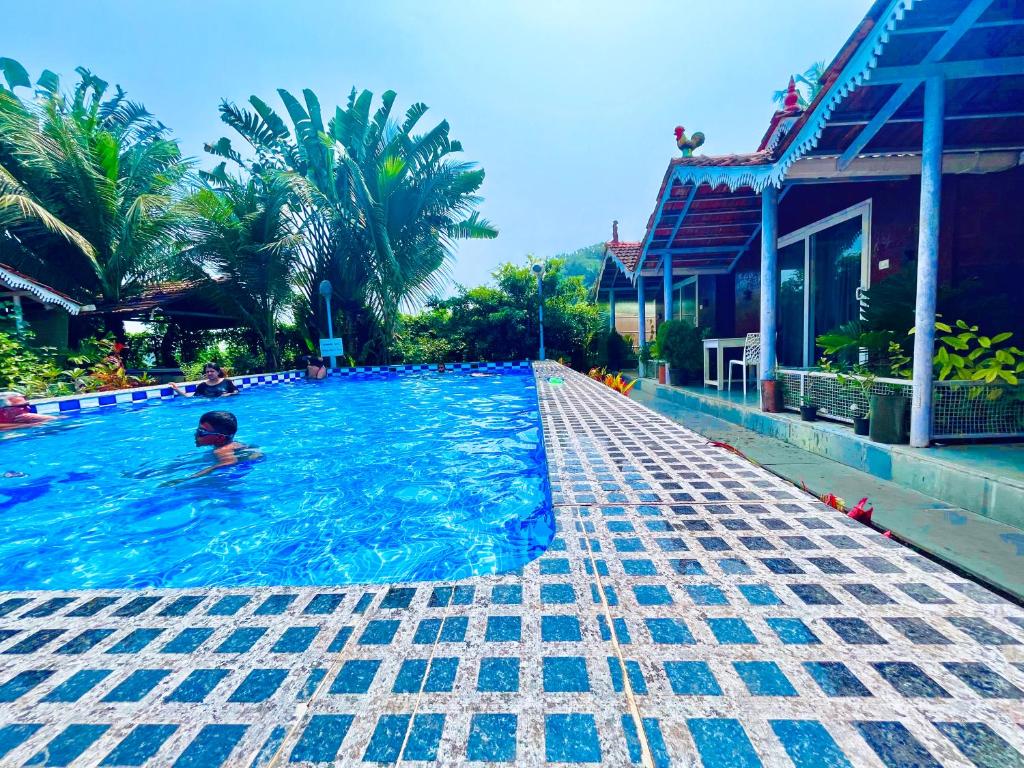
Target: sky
{"x":568,"y":105}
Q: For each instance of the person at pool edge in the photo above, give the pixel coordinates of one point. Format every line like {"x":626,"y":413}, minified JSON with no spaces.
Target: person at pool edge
{"x":214,"y":384}
{"x":315,"y":367}
{"x":15,"y":412}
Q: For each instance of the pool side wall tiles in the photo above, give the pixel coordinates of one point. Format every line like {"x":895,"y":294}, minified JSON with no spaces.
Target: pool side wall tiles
{"x":72,"y":403}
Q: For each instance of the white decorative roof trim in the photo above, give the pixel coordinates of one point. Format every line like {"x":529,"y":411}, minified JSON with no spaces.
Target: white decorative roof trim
{"x":732,"y":176}
{"x":44,"y":295}
{"x":857,"y":70}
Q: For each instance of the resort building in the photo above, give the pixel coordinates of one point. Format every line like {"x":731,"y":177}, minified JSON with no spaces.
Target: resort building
{"x":37,"y":307}
{"x":906,"y":163}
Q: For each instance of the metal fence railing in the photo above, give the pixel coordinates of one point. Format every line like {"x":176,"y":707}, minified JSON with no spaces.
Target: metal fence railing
{"x":961,"y":409}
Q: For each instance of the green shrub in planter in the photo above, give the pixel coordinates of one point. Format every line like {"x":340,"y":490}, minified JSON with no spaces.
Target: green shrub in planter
{"x":679,"y":343}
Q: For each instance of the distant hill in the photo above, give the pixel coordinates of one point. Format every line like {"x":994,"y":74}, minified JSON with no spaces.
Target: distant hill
{"x":585,"y":262}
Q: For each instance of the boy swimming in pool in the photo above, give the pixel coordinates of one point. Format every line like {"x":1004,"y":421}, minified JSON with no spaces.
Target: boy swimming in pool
{"x":217,"y":430}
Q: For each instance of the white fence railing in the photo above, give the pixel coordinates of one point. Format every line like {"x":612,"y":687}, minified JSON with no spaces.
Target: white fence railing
{"x":961,"y":409}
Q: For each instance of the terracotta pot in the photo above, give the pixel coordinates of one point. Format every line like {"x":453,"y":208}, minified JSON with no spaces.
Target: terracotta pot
{"x":662,"y":373}
{"x":771,"y":396}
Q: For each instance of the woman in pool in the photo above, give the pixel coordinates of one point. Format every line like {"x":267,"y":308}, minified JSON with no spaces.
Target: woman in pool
{"x":315,"y":368}
{"x":15,"y":412}
{"x":214,"y":384}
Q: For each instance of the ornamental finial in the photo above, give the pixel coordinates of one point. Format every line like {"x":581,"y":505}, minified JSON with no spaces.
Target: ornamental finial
{"x":791,"y":101}
{"x":615,"y":231}
{"x":687,"y":145}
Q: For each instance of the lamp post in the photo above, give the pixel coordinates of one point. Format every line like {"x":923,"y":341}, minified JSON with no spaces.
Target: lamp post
{"x":538,"y":269}
{"x":326,"y":290}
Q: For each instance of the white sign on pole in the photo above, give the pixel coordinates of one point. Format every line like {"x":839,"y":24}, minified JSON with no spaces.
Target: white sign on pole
{"x":332,"y":348}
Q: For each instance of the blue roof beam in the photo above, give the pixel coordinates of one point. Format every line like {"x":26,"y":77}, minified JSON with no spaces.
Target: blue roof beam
{"x":913,"y":79}
{"x":682,"y":214}
{"x":953,"y":70}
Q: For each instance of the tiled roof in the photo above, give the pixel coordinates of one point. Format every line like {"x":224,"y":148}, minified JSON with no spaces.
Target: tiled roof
{"x":628,"y":254}
{"x":158,"y":295}
{"x":717,"y":161}
{"x":12,"y":278}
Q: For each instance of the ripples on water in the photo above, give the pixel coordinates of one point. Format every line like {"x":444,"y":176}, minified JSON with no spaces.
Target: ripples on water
{"x":370,"y":478}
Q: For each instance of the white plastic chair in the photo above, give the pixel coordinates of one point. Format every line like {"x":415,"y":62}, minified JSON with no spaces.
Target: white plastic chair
{"x":751,"y":357}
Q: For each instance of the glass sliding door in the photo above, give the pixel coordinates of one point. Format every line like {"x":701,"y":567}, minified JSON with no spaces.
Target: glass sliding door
{"x":822,"y":268}
{"x":791,"y":304}
{"x":686,"y":295}
{"x":835,"y":255}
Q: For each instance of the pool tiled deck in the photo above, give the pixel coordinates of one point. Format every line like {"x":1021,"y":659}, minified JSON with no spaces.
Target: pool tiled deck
{"x":692,"y":610}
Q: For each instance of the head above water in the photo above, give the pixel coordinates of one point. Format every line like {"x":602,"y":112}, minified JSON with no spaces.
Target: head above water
{"x":216,"y":428}
{"x":12,"y":399}
{"x":217,"y":371}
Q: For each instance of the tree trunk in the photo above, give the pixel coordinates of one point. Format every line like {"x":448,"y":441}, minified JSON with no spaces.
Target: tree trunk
{"x":167,"y":346}
{"x":115,"y":325}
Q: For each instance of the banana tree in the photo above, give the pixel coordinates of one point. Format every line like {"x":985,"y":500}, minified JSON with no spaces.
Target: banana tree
{"x":380,"y":205}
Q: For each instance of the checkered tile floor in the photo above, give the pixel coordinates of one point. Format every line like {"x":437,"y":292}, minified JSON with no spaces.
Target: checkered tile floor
{"x":692,"y":610}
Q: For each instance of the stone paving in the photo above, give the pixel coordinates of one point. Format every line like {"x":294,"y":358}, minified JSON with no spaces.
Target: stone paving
{"x":692,"y":610}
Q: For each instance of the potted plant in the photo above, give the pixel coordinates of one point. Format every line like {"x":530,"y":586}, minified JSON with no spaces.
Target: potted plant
{"x":859,"y":377}
{"x":808,"y":410}
{"x":679,"y":344}
{"x":861,"y":420}
{"x":773,"y":394}
{"x":644,"y":358}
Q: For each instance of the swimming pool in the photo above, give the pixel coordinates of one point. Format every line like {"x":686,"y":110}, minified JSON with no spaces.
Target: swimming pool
{"x":369,"y":478}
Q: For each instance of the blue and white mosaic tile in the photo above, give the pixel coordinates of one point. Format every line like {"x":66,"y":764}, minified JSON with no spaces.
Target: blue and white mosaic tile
{"x":692,"y":610}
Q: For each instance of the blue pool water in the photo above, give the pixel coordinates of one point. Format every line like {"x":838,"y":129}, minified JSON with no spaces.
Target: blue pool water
{"x":372,"y":478}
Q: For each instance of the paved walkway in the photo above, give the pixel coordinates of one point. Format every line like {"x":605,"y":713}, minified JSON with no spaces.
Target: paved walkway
{"x":692,"y":609}
{"x":985,"y":548}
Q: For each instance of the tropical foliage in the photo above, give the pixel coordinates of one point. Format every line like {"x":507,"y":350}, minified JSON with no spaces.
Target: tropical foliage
{"x":96,"y":197}
{"x":244,"y":237}
{"x":500,"y":321}
{"x":90,"y":186}
{"x":379,"y":205}
{"x":615,"y":381}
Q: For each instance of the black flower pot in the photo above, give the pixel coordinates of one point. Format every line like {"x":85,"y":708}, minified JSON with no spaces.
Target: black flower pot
{"x":808,"y":413}
{"x":861,"y":425}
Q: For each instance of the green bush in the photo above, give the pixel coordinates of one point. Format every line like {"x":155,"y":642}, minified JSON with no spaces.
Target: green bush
{"x":680,"y":344}
{"x":615,"y":351}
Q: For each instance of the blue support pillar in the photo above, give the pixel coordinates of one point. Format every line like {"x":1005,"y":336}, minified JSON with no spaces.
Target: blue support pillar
{"x":666,"y":268}
{"x":927,"y":262}
{"x":769,"y":268}
{"x":611,"y":310}
{"x":641,"y":311}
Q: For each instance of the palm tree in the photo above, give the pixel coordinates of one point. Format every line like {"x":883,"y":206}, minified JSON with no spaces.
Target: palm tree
{"x":90,"y":186}
{"x":380,"y":205}
{"x":810,"y":79}
{"x":244,"y":238}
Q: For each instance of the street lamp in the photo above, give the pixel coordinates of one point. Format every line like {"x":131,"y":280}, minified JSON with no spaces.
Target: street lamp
{"x":538,"y":269}
{"x":326,"y":290}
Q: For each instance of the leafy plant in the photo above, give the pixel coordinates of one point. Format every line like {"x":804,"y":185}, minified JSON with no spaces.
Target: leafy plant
{"x":615,"y":382}
{"x":89,"y":187}
{"x":967,"y":355}
{"x":679,"y":342}
{"x":615,"y":350}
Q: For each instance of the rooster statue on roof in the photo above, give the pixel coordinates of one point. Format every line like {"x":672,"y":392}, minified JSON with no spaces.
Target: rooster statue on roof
{"x":687,"y":145}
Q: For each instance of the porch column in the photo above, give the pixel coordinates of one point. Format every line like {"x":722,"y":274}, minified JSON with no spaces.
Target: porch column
{"x":666,"y":268}
{"x":769,"y":261}
{"x":641,"y":311}
{"x":611,"y":310}
{"x":927,"y":262}
{"x":19,"y":318}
